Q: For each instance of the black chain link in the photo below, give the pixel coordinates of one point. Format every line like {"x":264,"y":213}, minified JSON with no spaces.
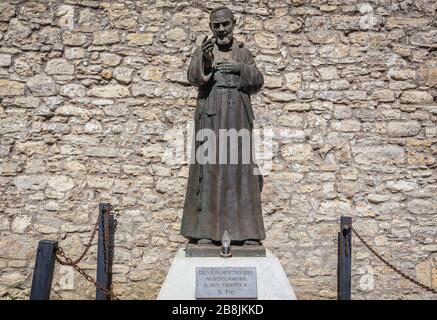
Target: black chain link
{"x":395,"y":269}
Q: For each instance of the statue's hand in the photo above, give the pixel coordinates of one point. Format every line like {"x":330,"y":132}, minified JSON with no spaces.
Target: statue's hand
{"x":207,"y":46}
{"x":229,"y":66}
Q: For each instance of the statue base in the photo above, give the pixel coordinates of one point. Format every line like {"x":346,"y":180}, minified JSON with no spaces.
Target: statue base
{"x":210,"y":250}
{"x":187,"y":278}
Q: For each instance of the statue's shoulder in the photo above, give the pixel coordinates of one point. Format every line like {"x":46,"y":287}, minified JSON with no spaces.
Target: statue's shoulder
{"x":242,"y":48}
{"x":244,"y":51}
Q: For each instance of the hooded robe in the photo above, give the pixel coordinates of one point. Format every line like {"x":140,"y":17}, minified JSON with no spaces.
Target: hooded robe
{"x":224,"y":196}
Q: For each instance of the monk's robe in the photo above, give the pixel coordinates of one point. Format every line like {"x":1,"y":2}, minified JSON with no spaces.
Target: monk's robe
{"x":224,"y":196}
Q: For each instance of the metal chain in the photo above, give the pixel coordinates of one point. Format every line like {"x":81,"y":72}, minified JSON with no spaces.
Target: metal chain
{"x":105,"y":218}
{"x":88,"y":245}
{"x":402,"y":274}
{"x":69,"y":262}
{"x":347,"y":244}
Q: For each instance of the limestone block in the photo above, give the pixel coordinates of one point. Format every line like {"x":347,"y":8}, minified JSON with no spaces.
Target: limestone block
{"x":266,"y":40}
{"x":11,"y":88}
{"x":7,"y":11}
{"x":106,"y":37}
{"x":140,"y":39}
{"x":17,"y":30}
{"x":151,"y":73}
{"x":75,"y":53}
{"x":323,"y":37}
{"x":5,"y":60}
{"x":109,"y":91}
{"x":298,"y":152}
{"x":413,"y":97}
{"x":66,"y":16}
{"x":73,"y":38}
{"x":384,"y":95}
{"x":42,"y":85}
{"x":123,"y":75}
{"x":293,"y":81}
{"x":424,"y":39}
{"x":403,"y":128}
{"x":49,"y":35}
{"x":103,"y":152}
{"x":59,"y":66}
{"x":73,"y":90}
{"x":176,"y":34}
{"x":61,"y":183}
{"x":328,"y":73}
{"x":378,"y":154}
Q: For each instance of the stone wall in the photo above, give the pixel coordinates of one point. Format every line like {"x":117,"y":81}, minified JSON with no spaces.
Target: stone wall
{"x":89,"y":89}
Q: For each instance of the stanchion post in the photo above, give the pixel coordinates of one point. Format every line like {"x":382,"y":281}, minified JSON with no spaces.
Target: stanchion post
{"x":103,"y":255}
{"x":44,"y":268}
{"x":344,"y":259}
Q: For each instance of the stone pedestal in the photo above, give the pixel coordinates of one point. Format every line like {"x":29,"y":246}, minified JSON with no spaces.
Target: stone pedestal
{"x":271,"y":280}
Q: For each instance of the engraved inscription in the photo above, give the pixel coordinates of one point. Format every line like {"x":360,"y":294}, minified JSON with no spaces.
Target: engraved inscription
{"x":226,"y":283}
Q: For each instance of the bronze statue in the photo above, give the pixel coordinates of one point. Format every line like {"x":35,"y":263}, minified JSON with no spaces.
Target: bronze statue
{"x":223,"y":195}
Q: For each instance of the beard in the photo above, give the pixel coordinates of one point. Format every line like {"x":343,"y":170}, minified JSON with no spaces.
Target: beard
{"x":224,"y":40}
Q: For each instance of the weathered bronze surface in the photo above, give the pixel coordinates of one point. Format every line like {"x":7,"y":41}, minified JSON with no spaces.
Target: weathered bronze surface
{"x":225,"y":196}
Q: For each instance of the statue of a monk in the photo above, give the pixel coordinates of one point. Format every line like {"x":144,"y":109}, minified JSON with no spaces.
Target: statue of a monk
{"x":223,"y":195}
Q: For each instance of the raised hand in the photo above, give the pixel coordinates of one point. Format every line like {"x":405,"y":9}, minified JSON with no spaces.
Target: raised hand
{"x":229,"y":66}
{"x":207,"y":46}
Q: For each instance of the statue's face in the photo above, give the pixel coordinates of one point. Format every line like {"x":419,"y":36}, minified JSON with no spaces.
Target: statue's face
{"x":222,"y":27}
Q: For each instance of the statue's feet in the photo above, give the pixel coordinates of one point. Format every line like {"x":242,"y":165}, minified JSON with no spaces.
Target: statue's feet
{"x":204,"y":242}
{"x":252,"y":243}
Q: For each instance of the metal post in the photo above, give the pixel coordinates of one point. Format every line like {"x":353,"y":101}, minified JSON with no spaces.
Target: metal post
{"x":103,"y":255}
{"x":44,"y":268}
{"x":344,"y":259}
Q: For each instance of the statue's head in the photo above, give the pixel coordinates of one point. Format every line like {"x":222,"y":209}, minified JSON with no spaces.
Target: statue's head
{"x":222,"y":22}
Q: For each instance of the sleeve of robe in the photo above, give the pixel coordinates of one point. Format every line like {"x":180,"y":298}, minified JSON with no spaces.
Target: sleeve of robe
{"x":251,"y":79}
{"x":196,"y":73}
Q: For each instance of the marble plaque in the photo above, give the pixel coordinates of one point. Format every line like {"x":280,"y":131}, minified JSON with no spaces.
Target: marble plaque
{"x":226,"y":283}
